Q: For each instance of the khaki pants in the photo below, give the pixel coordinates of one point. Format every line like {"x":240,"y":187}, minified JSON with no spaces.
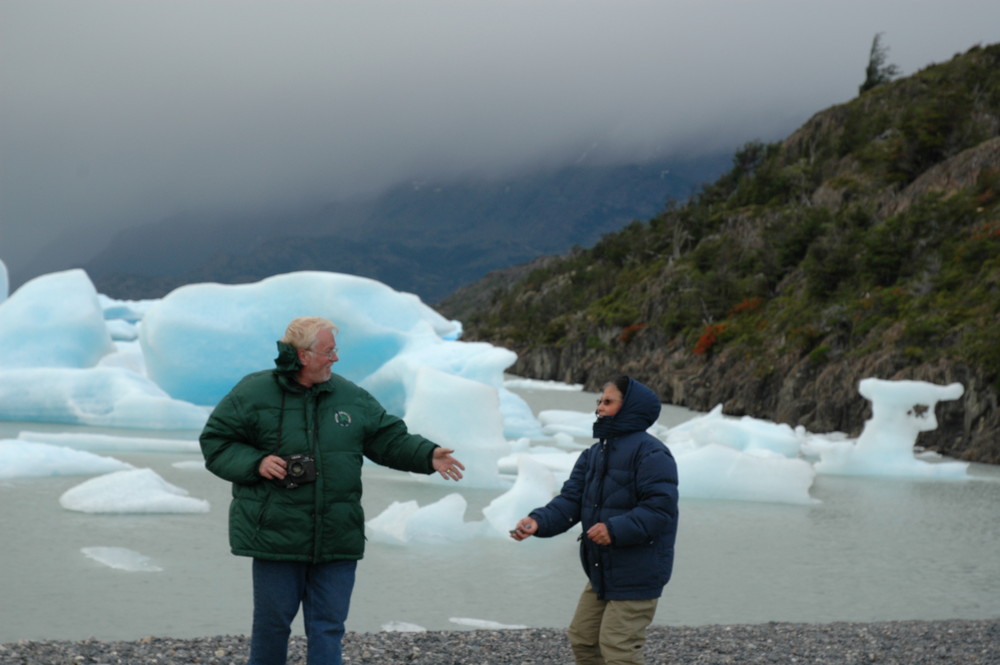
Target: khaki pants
{"x":609,"y":632}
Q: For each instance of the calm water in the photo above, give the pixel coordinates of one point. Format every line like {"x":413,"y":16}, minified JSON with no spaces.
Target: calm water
{"x":873,"y":549}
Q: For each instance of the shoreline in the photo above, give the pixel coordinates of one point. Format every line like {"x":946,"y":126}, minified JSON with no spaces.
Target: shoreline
{"x":912,"y":642}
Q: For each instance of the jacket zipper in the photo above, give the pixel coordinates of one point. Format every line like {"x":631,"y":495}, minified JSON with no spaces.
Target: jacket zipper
{"x":598,"y":508}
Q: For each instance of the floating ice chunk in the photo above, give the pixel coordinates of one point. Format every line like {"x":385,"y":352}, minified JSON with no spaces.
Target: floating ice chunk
{"x":190,"y":465}
{"x":4,"y":282}
{"x":566,"y":442}
{"x":130,"y":311}
{"x":395,"y":381}
{"x":461,"y":414}
{"x":121,"y":558}
{"x":100,"y":397}
{"x":439,"y":522}
{"x":754,"y":434}
{"x":127,"y":355}
{"x":475,"y":361}
{"x":900,"y":411}
{"x":906,"y":404}
{"x":558,"y":462}
{"x":53,"y":321}
{"x":110,"y":443}
{"x":715,"y":471}
{"x":739,"y":459}
{"x":518,"y":420}
{"x":122,"y":331}
{"x":389,"y":526}
{"x":747,"y":434}
{"x":536,"y":384}
{"x":386,"y":336}
{"x":237,"y":325}
{"x":483,"y":624}
{"x":402,"y":627}
{"x":135,"y":491}
{"x":681,"y":433}
{"x":519,"y":446}
{"x":28,"y":459}
{"x":571,"y":423}
{"x":535,"y":486}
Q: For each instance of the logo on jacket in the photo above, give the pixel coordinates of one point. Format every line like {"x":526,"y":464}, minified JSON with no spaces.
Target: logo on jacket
{"x":342,"y":418}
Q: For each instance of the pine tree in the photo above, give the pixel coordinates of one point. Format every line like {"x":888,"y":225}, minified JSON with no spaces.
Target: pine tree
{"x":877,"y":71}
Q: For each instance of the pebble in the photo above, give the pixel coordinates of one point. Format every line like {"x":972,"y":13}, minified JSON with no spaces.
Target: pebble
{"x":948,"y":642}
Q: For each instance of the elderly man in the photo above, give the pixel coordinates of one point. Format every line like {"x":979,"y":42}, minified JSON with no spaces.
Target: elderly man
{"x":292,"y":440}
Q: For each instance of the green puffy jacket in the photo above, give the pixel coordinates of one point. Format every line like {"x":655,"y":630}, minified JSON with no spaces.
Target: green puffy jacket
{"x":269,"y":413}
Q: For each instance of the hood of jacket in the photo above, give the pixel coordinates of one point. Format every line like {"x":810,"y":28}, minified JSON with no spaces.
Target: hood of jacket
{"x":640,"y":409}
{"x":287,"y":366}
{"x":287,"y":363}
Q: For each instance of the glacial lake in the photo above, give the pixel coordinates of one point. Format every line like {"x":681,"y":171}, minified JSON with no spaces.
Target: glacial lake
{"x":871,"y":549}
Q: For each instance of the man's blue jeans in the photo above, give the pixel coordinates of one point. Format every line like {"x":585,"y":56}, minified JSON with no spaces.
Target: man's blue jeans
{"x":324,"y":591}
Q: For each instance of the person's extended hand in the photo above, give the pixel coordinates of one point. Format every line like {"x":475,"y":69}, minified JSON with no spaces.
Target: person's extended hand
{"x":526,"y":528}
{"x":272,"y":467}
{"x":449,"y":467}
{"x":599,"y":534}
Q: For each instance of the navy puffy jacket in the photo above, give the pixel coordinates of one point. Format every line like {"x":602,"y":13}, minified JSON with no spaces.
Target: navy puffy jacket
{"x":628,"y":481}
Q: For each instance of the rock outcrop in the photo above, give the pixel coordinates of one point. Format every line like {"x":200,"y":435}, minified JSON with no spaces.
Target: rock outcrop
{"x":797,"y":391}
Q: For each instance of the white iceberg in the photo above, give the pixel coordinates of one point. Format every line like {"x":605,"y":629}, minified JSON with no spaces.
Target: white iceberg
{"x":135,"y":491}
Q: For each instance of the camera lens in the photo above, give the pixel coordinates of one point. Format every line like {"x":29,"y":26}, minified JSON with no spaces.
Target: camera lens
{"x":295,"y":469}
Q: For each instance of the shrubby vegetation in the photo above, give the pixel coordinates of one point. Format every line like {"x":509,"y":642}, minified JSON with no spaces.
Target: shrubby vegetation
{"x":824,"y":245}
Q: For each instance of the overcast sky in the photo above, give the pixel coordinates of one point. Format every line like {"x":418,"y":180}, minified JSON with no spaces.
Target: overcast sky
{"x":120,"y":113}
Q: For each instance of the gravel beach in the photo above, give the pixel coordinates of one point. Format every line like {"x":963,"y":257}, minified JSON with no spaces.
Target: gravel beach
{"x":951,"y":642}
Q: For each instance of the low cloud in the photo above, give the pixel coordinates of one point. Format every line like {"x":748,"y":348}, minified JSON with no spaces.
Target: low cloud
{"x":119,"y":113}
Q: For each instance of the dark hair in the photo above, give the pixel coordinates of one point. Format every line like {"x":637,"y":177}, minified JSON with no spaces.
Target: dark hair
{"x":621,"y":383}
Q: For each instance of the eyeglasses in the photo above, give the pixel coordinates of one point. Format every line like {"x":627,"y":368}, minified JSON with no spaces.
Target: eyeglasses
{"x":331,"y":354}
{"x":605,"y":401}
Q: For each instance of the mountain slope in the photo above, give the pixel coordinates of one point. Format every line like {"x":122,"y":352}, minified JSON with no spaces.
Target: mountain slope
{"x":865,"y":244}
{"x":425,"y":238}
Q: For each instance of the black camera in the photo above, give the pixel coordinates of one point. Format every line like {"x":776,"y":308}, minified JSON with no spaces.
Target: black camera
{"x":299,"y":470}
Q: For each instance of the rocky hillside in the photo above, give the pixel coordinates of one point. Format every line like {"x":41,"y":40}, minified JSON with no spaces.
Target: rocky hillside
{"x":865,"y":244}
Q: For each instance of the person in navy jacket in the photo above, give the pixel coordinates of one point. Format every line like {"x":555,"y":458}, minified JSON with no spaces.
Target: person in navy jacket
{"x":623,"y":492}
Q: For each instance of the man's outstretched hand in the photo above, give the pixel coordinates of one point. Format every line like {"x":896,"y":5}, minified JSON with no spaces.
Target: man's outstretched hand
{"x":449,"y":467}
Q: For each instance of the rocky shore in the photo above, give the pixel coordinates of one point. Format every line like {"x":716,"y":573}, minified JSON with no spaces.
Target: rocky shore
{"x":950,"y":642}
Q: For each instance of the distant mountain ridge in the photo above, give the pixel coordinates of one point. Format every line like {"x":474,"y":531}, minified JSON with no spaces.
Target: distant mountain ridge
{"x":428,"y":238}
{"x":867,"y":243}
